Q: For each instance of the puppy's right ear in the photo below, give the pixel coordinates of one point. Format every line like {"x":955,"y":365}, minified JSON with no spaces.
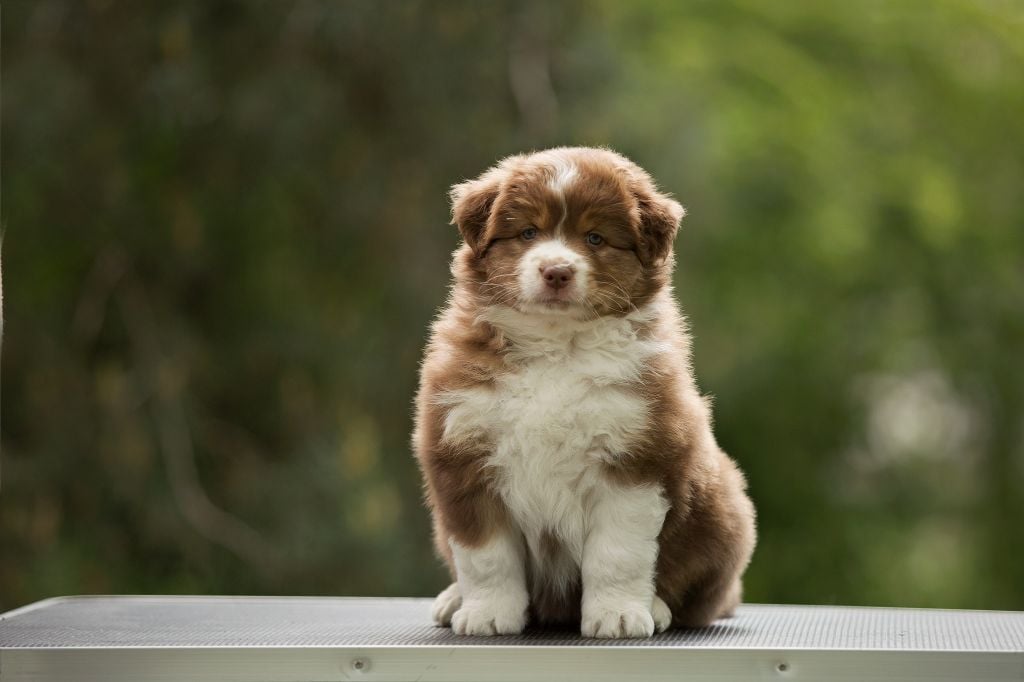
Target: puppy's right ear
{"x":472,"y":202}
{"x":471,"y":208}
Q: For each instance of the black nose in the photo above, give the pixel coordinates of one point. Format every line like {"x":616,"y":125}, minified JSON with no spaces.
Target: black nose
{"x":557,"y":276}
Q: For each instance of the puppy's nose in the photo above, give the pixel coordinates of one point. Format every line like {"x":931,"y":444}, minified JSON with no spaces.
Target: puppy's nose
{"x":557,"y":276}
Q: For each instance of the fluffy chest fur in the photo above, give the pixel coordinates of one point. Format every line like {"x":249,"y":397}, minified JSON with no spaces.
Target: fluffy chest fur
{"x":568,"y":402}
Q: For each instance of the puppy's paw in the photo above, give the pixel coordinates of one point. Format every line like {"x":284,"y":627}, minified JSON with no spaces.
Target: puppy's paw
{"x":446,"y":603}
{"x":617,"y":620}
{"x":661,"y":613}
{"x":501,"y":615}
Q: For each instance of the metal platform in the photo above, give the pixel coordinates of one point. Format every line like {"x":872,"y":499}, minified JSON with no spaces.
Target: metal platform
{"x":306,"y":639}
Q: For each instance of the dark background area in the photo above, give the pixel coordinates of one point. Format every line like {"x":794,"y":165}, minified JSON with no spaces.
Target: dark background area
{"x":225,"y":236}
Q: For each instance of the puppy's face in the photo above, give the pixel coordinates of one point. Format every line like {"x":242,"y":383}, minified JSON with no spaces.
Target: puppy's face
{"x":581,"y":232}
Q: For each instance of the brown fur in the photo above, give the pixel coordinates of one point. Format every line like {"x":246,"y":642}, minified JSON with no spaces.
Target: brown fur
{"x":708,"y":535}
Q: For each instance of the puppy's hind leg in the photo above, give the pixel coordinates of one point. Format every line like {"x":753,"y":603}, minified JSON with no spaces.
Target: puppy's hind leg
{"x":447,"y":603}
{"x":662,"y":614}
{"x":732,"y":599}
{"x":703,"y":606}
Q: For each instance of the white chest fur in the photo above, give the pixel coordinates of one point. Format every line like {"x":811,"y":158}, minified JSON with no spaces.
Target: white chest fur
{"x":569,"y":402}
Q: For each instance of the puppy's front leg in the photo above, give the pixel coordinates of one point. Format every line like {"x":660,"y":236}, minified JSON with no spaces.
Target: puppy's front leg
{"x":619,"y":556}
{"x":492,"y":580}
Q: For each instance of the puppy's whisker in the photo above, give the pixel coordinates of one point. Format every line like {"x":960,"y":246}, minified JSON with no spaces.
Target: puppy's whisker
{"x":608,"y":279}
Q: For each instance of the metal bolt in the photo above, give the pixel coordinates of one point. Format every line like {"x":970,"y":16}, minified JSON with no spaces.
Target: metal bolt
{"x":782,"y":667}
{"x":360,"y":665}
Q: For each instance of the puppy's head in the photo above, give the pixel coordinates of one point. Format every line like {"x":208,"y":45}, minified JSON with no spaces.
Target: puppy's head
{"x":575,"y":231}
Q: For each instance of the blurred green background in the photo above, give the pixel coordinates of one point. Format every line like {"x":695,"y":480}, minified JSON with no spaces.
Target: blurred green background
{"x":226,"y":234}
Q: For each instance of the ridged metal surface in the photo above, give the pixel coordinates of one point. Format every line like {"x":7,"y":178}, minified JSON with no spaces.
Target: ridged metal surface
{"x":86,"y":622}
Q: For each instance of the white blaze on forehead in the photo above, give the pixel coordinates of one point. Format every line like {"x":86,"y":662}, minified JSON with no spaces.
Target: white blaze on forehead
{"x":563,"y":174}
{"x":545,"y":253}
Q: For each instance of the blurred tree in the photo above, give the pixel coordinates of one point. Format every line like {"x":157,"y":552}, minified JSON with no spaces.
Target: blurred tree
{"x":226,"y":237}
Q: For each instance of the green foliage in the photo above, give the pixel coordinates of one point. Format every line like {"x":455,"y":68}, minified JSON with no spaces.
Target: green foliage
{"x":225,"y":237}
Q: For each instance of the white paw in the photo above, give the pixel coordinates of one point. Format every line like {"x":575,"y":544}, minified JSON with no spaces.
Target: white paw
{"x":662,"y":615}
{"x":504,"y":615}
{"x":616,"y":620}
{"x":446,"y":603}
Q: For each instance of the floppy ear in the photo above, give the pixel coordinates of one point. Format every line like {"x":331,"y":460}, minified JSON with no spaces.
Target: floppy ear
{"x":472,"y":201}
{"x":660,"y":215}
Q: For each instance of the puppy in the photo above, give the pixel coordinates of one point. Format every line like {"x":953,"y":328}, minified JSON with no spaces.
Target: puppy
{"x":568,"y":457}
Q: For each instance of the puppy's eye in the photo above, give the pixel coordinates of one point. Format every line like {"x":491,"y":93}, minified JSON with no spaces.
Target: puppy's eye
{"x":594,"y":239}
{"x":529,"y":233}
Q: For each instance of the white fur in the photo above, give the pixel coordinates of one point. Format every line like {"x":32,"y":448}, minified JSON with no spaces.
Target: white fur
{"x":446,"y":604}
{"x":563,"y":411}
{"x":662,"y":614}
{"x":551,"y":252}
{"x":563,"y":175}
{"x":618,"y":563}
{"x":492,"y":583}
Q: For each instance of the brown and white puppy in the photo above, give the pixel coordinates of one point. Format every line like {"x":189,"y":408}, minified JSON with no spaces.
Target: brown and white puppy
{"x":569,"y":460}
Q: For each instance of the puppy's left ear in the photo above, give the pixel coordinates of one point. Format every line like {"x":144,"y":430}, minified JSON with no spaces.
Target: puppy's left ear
{"x":660,"y":216}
